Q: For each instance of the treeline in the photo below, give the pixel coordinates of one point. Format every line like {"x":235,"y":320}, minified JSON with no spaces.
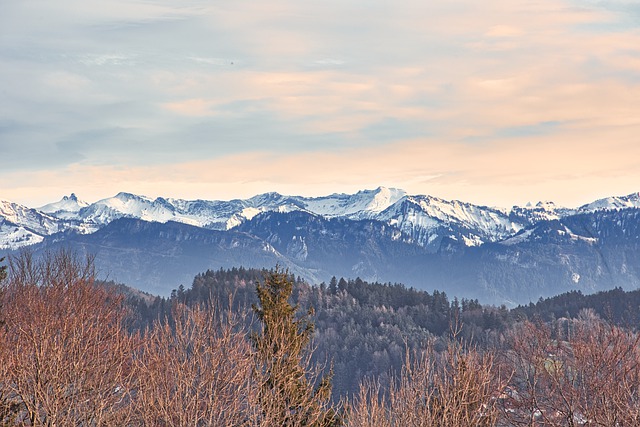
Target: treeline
{"x":365,"y":329}
{"x":620,"y":307}
{"x":77,"y":352}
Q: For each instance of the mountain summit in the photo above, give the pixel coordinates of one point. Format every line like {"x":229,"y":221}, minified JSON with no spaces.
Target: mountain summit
{"x":67,"y":205}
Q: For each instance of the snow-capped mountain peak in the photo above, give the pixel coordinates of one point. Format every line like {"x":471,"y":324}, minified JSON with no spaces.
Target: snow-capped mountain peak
{"x":546,"y":205}
{"x":615,"y":202}
{"x":428,"y":219}
{"x":130,"y":205}
{"x":22,"y":226}
{"x":31,"y":218}
{"x":363,"y":204}
{"x":384,"y":197}
{"x":69,"y":203}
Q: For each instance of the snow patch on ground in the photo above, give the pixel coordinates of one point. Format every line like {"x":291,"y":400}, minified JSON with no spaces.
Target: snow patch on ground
{"x":518,"y":238}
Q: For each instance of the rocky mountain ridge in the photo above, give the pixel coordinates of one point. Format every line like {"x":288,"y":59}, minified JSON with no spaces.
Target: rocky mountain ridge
{"x":501,"y":256}
{"x":426,"y":219}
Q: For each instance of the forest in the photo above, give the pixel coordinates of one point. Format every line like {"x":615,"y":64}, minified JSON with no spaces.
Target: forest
{"x":246,"y":347}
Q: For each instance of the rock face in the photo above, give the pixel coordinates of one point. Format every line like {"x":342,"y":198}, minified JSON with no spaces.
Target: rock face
{"x":496,"y":255}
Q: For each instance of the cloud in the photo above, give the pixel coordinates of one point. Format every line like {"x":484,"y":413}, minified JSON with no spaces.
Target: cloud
{"x":124,"y":90}
{"x":573,"y":170}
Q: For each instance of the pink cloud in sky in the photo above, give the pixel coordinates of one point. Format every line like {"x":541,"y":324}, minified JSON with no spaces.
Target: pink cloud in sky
{"x":497,"y":102}
{"x":576,"y":171}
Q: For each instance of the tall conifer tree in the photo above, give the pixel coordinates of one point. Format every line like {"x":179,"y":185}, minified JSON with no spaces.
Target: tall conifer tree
{"x":288,"y":396}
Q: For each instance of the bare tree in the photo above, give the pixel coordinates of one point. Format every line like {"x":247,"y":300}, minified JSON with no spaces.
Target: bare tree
{"x":8,"y":408}
{"x":589,"y":375}
{"x":456,"y":388}
{"x":197,"y":372}
{"x":530,"y":347}
{"x":606,"y":360}
{"x":66,"y":357}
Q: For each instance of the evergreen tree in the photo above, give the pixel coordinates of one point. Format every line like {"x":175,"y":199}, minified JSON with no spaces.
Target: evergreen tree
{"x":3,"y":275}
{"x":333,"y":285}
{"x":288,"y":396}
{"x":3,"y":271}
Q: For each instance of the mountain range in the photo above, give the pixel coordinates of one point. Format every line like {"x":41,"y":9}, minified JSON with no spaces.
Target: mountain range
{"x":497,"y":255}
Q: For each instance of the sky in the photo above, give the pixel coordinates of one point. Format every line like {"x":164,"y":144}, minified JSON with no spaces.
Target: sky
{"x":499,"y":102}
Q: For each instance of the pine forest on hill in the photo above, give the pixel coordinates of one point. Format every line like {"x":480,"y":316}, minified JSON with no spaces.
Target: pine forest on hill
{"x":365,"y":328}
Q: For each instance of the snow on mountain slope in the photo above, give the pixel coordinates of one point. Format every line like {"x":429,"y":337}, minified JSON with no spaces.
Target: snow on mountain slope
{"x":217,"y":215}
{"x":364,"y":204}
{"x":615,"y":202}
{"x":211,"y":214}
{"x":22,"y":226}
{"x":542,"y":211}
{"x":129,"y":205}
{"x":31,"y":219}
{"x":224,"y":215}
{"x":426,"y":219}
{"x":15,"y":236}
{"x":68,"y":206}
